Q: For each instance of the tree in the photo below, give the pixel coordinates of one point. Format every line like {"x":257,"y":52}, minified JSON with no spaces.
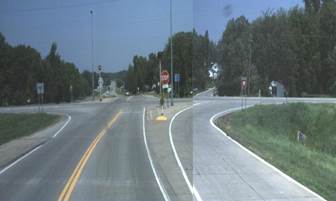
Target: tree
{"x":144,"y":71}
{"x":21,"y":67}
{"x":234,"y":56}
{"x":202,"y":58}
{"x":182,"y":60}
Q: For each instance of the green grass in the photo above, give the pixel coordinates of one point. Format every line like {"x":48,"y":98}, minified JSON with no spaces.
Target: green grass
{"x":270,"y":132}
{"x":17,"y":125}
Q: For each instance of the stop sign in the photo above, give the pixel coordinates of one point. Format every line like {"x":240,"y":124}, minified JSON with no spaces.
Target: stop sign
{"x":165,"y":77}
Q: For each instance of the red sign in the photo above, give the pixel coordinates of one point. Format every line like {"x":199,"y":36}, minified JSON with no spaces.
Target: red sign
{"x":243,"y":82}
{"x":165,"y":77}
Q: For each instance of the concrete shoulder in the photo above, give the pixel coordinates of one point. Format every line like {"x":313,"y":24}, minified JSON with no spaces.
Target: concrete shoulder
{"x":163,"y":157}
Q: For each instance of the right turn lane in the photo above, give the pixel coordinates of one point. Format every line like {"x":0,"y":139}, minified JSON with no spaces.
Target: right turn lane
{"x":223,"y":170}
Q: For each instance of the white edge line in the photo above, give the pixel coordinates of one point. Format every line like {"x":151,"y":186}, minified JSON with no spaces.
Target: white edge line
{"x":20,"y":159}
{"x":204,"y":91}
{"x":216,"y":116}
{"x":35,"y":149}
{"x":162,"y":188}
{"x":191,"y":187}
{"x":64,"y":125}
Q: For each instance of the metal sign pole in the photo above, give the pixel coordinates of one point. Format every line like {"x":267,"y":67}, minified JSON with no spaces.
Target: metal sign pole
{"x":160,"y":78}
{"x":40,"y":93}
{"x":243,"y":83}
{"x":245,"y":97}
{"x":39,"y":102}
{"x":241,"y":98}
{"x":42,"y":102}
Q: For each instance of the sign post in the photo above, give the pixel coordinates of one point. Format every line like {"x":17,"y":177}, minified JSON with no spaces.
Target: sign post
{"x":243,"y":87}
{"x":164,"y":76}
{"x":71,"y":93}
{"x":100,"y":82}
{"x":177,"y":78}
{"x":163,"y":80}
{"x":40,"y":93}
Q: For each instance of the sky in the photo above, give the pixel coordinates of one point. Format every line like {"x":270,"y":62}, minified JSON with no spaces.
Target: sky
{"x":213,"y":15}
{"x":121,"y":28}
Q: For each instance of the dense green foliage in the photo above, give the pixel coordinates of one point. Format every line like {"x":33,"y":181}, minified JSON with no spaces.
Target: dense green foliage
{"x":295,"y":47}
{"x":270,"y":132}
{"x":17,"y":125}
{"x":21,"y":67}
{"x":192,"y":54}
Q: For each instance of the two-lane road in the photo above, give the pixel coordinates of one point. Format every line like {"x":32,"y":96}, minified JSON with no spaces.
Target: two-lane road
{"x":117,"y":167}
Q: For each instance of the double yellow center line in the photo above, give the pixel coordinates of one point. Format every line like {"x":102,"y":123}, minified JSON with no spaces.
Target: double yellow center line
{"x":72,"y":181}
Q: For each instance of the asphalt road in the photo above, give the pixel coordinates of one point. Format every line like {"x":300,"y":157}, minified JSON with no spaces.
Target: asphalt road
{"x":101,"y":155}
{"x":117,"y":167}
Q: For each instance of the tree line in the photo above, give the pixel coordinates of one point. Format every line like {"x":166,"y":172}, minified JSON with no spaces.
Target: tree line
{"x":296,"y":47}
{"x":192,"y":56}
{"x":21,"y":67}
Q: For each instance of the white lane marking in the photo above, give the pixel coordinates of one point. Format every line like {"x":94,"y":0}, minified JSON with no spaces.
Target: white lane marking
{"x":204,"y":91}
{"x":35,"y":149}
{"x":64,"y":125}
{"x":290,"y":179}
{"x":162,"y":188}
{"x":191,"y":187}
{"x":20,"y":159}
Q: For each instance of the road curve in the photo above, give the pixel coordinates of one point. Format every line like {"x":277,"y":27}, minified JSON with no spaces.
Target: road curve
{"x":117,"y":169}
{"x":222,"y":170}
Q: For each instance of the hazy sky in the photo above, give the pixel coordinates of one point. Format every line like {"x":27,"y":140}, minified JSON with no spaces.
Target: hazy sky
{"x":122,"y":28}
{"x":212,"y":15}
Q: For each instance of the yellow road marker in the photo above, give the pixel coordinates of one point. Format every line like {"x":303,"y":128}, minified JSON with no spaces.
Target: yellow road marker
{"x":72,"y":181}
{"x":161,"y":118}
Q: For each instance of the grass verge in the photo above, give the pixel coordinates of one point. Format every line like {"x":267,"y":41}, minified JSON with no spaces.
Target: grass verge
{"x":270,"y":132}
{"x":17,"y":125}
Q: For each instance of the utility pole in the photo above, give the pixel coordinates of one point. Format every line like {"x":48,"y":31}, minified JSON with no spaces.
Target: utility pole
{"x":160,"y":77}
{"x":171,"y":54}
{"x":92,"y":56}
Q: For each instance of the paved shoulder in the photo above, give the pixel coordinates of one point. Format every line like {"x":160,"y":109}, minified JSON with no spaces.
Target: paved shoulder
{"x":159,"y":143}
{"x":18,"y":147}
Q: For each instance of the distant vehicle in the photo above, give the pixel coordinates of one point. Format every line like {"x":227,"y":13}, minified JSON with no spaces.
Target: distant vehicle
{"x":127,"y":93}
